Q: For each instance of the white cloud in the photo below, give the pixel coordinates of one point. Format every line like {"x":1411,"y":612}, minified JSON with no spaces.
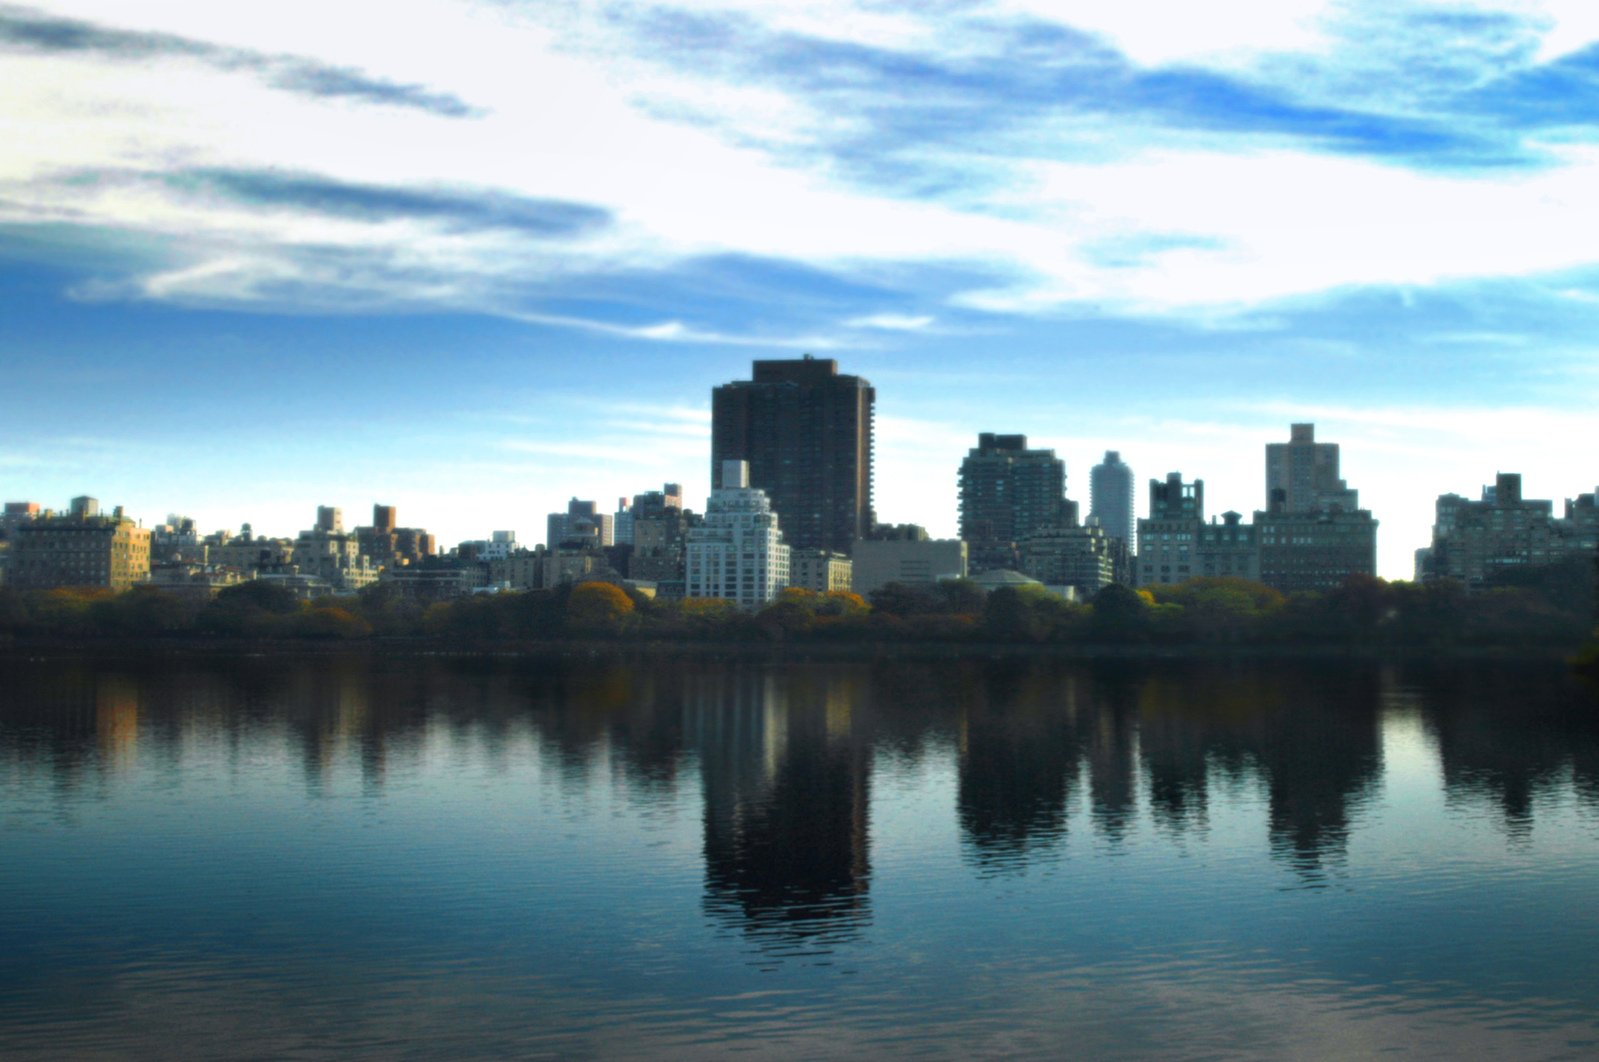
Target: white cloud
{"x":892,"y":322}
{"x":576,"y":109}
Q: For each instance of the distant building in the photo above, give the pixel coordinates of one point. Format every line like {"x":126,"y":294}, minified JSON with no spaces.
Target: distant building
{"x":1110,"y":499}
{"x":1008,"y":492}
{"x":1302,"y":475}
{"x":81,"y":549}
{"x":659,"y":539}
{"x":326,"y":553}
{"x":1230,"y":548}
{"x":805,"y":432}
{"x":650,"y":505}
{"x":582,"y":526}
{"x":175,"y":541}
{"x":1086,"y":558}
{"x":1313,"y":534}
{"x":249,"y":553}
{"x":1315,"y":550}
{"x":1475,"y":542}
{"x":738,"y":553}
{"x":821,"y":570}
{"x":622,"y":523}
{"x":906,"y":555}
{"x":1168,"y":538}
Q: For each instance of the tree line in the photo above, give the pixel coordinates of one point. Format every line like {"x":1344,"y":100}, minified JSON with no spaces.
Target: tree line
{"x":1546,"y":608}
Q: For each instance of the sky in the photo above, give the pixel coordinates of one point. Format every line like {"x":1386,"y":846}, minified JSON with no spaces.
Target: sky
{"x":475,"y":257}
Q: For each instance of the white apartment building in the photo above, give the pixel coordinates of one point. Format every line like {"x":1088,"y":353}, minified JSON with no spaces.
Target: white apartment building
{"x":738,"y":554}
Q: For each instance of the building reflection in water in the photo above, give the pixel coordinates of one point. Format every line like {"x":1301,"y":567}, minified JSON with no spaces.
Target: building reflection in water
{"x":1503,"y":748}
{"x":785,"y":771}
{"x":784,"y":754}
{"x":1019,"y":755}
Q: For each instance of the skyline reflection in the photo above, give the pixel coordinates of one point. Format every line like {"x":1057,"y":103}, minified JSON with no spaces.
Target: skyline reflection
{"x":782,"y":757}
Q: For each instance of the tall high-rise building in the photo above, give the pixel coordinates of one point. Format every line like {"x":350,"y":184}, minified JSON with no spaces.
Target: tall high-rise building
{"x":330,"y":519}
{"x":738,"y":553}
{"x":1110,"y":498}
{"x":806,"y":433}
{"x":1302,"y":475}
{"x":1008,"y":492}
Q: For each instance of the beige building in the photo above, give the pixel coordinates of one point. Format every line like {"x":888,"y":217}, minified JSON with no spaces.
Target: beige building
{"x":821,"y":570}
{"x":81,"y":549}
{"x":912,"y":560}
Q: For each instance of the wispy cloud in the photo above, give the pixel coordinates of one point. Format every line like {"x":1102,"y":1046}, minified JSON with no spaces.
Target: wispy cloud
{"x":26,"y":29}
{"x":1063,"y":158}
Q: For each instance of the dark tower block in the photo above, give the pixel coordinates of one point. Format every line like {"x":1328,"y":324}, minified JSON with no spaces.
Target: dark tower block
{"x":806,"y":432}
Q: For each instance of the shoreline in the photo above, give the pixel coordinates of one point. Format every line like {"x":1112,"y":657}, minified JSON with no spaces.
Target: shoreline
{"x":772,"y":651}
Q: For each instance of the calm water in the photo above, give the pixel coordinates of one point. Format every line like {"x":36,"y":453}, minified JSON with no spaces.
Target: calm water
{"x":279,"y":857}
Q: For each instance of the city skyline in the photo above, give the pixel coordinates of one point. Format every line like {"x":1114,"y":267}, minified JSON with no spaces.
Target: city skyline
{"x":253,"y":261}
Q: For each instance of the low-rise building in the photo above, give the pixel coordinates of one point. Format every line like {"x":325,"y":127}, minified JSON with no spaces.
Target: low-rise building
{"x":1086,"y":558}
{"x":1230,"y":548}
{"x":821,"y":570}
{"x":906,"y":554}
{"x":326,"y":552}
{"x":1315,"y":551}
{"x":1476,"y":541}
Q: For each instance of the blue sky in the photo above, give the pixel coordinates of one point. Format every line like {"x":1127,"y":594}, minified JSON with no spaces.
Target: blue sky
{"x":474,"y":258}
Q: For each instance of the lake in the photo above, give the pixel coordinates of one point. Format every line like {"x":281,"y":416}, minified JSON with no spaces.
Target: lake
{"x":616,"y":858}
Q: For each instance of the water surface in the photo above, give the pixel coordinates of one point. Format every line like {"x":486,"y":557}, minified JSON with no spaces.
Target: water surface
{"x":592,"y":858}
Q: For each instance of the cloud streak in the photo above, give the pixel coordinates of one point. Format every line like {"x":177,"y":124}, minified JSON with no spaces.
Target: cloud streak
{"x":22,"y":29}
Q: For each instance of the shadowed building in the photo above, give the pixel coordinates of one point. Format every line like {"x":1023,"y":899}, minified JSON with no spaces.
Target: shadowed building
{"x":1168,"y":538}
{"x":806,"y":433}
{"x":1313,"y":534}
{"x":1008,"y":492}
{"x":904,"y":554}
{"x":1305,"y":472}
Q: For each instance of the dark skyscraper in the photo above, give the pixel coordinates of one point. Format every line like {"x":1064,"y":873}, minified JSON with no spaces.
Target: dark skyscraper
{"x":806,"y":432}
{"x":1110,"y":498}
{"x":1008,"y":492}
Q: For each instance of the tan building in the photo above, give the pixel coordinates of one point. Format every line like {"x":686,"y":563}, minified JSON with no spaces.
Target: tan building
{"x":81,"y":549}
{"x":912,"y":560}
{"x":821,"y":570}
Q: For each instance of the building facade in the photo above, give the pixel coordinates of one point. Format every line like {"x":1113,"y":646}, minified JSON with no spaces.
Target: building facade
{"x":1008,"y":492}
{"x":1478,"y":541}
{"x":906,"y":555}
{"x":325,"y":552}
{"x":805,"y":432}
{"x":1168,"y":538}
{"x":582,"y":526}
{"x":821,"y":570}
{"x":1085,"y":558}
{"x":1315,"y":551}
{"x":738,"y":553}
{"x":1230,"y":548}
{"x":1302,"y":475}
{"x":79,"y":549}
{"x":1110,"y":499}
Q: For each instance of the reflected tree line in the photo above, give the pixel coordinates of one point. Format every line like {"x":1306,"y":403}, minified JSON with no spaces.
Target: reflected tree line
{"x":784,"y":755}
